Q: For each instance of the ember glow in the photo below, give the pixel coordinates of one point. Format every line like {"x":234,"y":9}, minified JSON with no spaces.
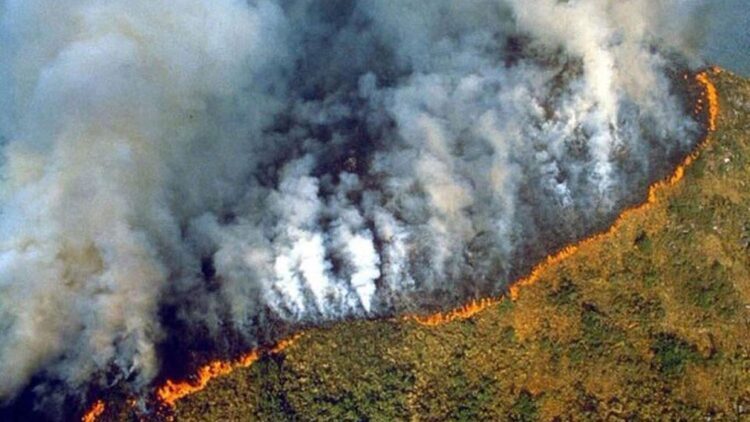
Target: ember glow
{"x":214,"y":174}
{"x":94,"y":412}
{"x":711,"y":97}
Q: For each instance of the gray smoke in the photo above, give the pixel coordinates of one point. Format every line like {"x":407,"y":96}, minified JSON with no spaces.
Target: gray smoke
{"x":249,"y":163}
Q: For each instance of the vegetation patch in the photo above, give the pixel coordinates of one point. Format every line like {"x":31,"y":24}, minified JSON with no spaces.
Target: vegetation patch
{"x":671,"y":354}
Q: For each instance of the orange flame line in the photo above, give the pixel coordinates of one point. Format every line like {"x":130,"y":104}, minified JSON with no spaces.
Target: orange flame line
{"x":94,"y":412}
{"x":712,"y":95}
{"x":172,"y":391}
{"x":477,"y":305}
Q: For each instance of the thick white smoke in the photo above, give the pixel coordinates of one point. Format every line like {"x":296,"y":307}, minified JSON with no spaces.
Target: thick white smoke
{"x":124,"y":121}
{"x":244,"y":163}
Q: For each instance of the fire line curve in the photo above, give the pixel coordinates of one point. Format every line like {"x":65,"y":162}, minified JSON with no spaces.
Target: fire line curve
{"x":172,"y":391}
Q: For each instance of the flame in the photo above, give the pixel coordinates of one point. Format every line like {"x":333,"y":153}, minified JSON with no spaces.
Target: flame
{"x":472,"y":308}
{"x":172,"y":391}
{"x":94,"y":412}
{"x":464,"y":312}
{"x":712,"y":96}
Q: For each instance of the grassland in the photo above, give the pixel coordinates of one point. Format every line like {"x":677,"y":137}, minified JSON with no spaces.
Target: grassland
{"x":648,"y":322}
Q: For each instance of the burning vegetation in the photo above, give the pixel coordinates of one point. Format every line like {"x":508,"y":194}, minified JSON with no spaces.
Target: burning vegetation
{"x":515,"y":320}
{"x":648,"y":320}
{"x":176,"y":191}
{"x":172,"y":391}
{"x":707,"y":106}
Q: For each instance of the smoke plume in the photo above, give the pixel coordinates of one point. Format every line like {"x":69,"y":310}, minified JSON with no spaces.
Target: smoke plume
{"x":193,"y":170}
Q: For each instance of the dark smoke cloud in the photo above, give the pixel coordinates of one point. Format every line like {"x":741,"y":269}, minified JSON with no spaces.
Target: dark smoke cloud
{"x":247,"y":162}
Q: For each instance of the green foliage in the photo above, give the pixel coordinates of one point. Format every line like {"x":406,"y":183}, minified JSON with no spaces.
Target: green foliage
{"x":642,"y":308}
{"x":504,"y":307}
{"x":597,"y":330}
{"x":644,"y":243}
{"x":672,"y":354}
{"x":565,"y":293}
{"x":524,"y":409}
{"x":713,"y":292}
{"x":470,"y":400}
